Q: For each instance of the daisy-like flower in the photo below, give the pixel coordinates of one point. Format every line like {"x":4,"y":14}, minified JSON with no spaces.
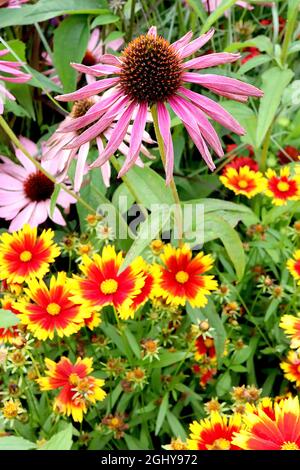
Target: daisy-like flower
{"x":10,"y":72}
{"x":181,"y":277}
{"x":240,"y":162}
{"x":92,"y":321}
{"x":140,"y":299}
{"x":62,"y":157}
{"x":243,"y":181}
{"x":291,"y":326}
{"x":293,"y":265}
{"x":205,"y":347}
{"x":264,"y":433}
{"x":25,"y":255}
{"x":284,"y":187}
{"x":151,"y":71}
{"x":103,"y":285}
{"x":8,"y":335}
{"x":214,"y":433}
{"x":49,"y":310}
{"x":291,"y":367}
{"x":25,"y":192}
{"x":78,"y":389}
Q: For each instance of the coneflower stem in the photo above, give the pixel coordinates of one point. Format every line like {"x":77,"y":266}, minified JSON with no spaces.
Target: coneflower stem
{"x":18,"y":144}
{"x":130,"y":31}
{"x":178,"y":209}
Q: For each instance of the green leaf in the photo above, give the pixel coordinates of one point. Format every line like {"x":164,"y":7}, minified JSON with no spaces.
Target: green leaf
{"x":53,"y":199}
{"x":216,"y":14}
{"x":224,"y":384}
{"x":231,"y":242}
{"x":275,"y":81}
{"x":70,"y":44}
{"x":176,"y":427}
{"x":41,"y":81}
{"x":169,"y":358}
{"x":8,"y":319}
{"x":162,"y":413}
{"x":253,"y":63}
{"x":104,"y":19}
{"x":272,"y":308}
{"x":45,"y":10}
{"x":60,"y":441}
{"x":132,"y":342}
{"x":246,"y":117}
{"x":16,"y":443}
{"x":147,"y":186}
{"x":17,"y":46}
{"x":132,"y":442}
{"x":198,"y":9}
{"x":148,"y":231}
{"x":241,"y":355}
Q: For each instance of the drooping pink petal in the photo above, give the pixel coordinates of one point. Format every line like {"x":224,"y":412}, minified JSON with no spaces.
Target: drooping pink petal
{"x":180,"y":43}
{"x":213,"y":110}
{"x":193,"y":129}
{"x":14,"y":170}
{"x":22,"y":79}
{"x":9,"y":183}
{"x":81,"y":161}
{"x":39,"y":214}
{"x":10,"y":211}
{"x":136,"y":138}
{"x":164,"y":124}
{"x":152,"y":31}
{"x":30,"y":146}
{"x":96,"y":70}
{"x":89,"y":90}
{"x":205,"y":126}
{"x":25,"y":161}
{"x":117,"y":136}
{"x":92,"y":114}
{"x":231,"y":96}
{"x":94,"y":38}
{"x":110,"y":59}
{"x":22,"y":218}
{"x":106,"y":173}
{"x":196,"y":44}
{"x":226,"y":84}
{"x":102,"y":124}
{"x":57,"y":217}
{"x":211,"y":60}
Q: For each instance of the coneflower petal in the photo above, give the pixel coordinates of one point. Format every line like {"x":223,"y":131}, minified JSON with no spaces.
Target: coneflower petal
{"x":211,"y":60}
{"x":164,"y":123}
{"x":226,"y":84}
{"x":89,"y":90}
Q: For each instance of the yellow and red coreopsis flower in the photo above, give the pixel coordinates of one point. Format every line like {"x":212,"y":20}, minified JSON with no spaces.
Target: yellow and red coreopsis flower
{"x":243,"y":181}
{"x":214,"y":433}
{"x":51,"y":310}
{"x":265,"y":404}
{"x":25,"y":255}
{"x":293,"y":266}
{"x":291,"y":326}
{"x":181,"y":277}
{"x":140,"y":299}
{"x":282,"y":188}
{"x":92,"y":321}
{"x":205,"y":347}
{"x":291,"y":367}
{"x":7,"y":335}
{"x":264,"y":433}
{"x":78,"y":388}
{"x":104,"y":285}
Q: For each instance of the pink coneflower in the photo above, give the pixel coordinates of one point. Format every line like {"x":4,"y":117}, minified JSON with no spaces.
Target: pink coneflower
{"x":56,"y":151}
{"x":151,"y":71}
{"x":15,"y":76}
{"x":25,"y":192}
{"x":211,"y":5}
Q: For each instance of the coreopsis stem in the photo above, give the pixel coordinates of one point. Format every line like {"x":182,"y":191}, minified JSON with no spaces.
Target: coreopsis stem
{"x":10,"y":133}
{"x":178,"y":209}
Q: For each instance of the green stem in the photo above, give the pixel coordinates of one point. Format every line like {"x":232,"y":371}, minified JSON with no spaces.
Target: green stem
{"x":130,"y":29}
{"x":290,"y":26}
{"x":178,"y":209}
{"x":18,"y":144}
{"x":265,"y":149}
